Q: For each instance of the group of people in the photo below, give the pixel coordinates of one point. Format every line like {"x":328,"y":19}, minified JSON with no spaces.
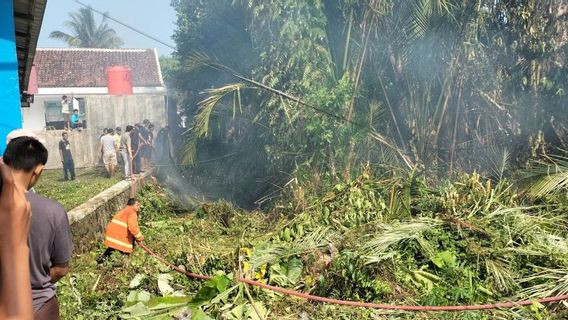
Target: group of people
{"x":133,"y":148}
{"x":35,"y":240}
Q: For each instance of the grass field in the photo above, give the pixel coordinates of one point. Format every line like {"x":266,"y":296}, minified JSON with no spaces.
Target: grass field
{"x":88,"y":183}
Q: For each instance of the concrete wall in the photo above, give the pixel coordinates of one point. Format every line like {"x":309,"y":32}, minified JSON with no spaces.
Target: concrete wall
{"x":104,"y":112}
{"x":112,"y":111}
{"x":84,"y":147}
{"x":88,"y":221}
{"x":101,"y":109}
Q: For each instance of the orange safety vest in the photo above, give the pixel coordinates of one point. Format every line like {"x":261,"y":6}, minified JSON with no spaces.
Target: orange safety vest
{"x":122,"y":230}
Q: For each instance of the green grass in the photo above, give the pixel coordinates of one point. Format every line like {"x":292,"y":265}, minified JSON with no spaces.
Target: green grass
{"x":88,"y":183}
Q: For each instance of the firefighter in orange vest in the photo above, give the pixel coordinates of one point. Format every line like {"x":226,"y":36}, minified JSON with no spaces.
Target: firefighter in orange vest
{"x":122,"y":230}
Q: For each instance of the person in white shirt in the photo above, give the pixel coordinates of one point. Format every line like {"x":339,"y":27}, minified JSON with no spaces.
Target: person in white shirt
{"x":109,"y":147}
{"x":65,"y":111}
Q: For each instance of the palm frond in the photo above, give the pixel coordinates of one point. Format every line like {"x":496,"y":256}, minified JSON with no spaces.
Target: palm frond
{"x":547,"y":283}
{"x":318,"y":238}
{"x":200,"y":128}
{"x":60,"y":35}
{"x":378,"y":246}
{"x":497,"y":160}
{"x":501,"y":274}
{"x":550,"y":177}
{"x":198,"y":59}
{"x":524,"y":225}
{"x":86,"y":33}
{"x":189,"y":151}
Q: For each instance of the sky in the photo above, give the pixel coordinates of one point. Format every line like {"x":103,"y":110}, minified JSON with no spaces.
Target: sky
{"x":155,"y":17}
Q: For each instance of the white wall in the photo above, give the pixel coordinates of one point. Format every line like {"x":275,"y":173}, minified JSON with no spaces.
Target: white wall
{"x":34,"y":117}
{"x":104,"y":112}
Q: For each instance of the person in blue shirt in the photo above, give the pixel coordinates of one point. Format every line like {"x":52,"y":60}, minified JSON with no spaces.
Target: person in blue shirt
{"x":76,"y":120}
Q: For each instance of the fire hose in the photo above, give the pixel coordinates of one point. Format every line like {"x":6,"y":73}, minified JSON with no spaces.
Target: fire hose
{"x":368,"y":305}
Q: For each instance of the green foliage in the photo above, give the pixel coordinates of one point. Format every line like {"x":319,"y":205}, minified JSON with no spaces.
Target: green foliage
{"x":287,"y":273}
{"x":439,"y":86}
{"x":349,"y":278}
{"x":154,"y":203}
{"x":464,"y":242}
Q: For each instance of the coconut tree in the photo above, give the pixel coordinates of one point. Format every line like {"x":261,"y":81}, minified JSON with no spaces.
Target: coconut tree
{"x":85,"y":33}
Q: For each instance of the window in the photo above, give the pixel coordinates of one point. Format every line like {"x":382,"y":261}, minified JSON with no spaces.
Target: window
{"x":54,"y":118}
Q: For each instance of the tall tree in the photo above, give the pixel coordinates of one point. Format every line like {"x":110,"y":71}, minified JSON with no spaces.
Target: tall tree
{"x":85,"y":33}
{"x":439,"y":85}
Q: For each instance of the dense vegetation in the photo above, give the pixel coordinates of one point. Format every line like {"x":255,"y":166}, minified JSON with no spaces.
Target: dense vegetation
{"x":299,"y":89}
{"x":372,"y":239}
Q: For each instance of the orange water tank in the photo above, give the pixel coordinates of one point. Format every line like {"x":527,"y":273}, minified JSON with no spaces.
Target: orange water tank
{"x":119,"y":80}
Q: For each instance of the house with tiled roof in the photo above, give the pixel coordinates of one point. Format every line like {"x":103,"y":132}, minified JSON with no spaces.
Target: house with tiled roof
{"x":82,"y":73}
{"x":84,"y":76}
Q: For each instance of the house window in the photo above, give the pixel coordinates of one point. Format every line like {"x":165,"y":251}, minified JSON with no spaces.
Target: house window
{"x":54,"y":118}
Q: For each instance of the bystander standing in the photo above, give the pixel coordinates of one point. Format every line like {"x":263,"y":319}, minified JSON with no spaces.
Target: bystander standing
{"x":50,"y":238}
{"x":164,"y":147}
{"x":108,"y":150}
{"x":16,"y":292}
{"x":66,"y":157}
{"x":136,"y":146}
{"x":151,"y":144}
{"x":65,"y":112}
{"x":117,"y":134}
{"x":126,"y":151}
{"x":144,"y":144}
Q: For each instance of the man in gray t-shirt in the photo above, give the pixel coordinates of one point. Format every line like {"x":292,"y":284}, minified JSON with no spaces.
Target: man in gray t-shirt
{"x":50,"y":247}
{"x":109,"y":148}
{"x":49,"y":240}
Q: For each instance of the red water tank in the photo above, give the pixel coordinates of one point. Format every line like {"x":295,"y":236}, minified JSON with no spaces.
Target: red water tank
{"x":119,"y":80}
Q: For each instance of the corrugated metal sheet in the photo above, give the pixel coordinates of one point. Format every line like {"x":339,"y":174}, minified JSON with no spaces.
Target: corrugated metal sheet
{"x":28,"y":17}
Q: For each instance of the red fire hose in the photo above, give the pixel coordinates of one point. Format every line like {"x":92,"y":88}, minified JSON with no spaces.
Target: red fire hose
{"x":364,"y":304}
{"x":353,"y":303}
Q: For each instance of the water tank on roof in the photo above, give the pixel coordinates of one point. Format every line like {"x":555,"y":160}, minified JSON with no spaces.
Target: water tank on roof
{"x":119,"y":80}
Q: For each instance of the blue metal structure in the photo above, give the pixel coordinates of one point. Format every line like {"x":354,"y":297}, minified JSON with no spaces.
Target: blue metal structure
{"x":10,"y":113}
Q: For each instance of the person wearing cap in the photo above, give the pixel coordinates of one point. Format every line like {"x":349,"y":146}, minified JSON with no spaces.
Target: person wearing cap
{"x":22,"y":133}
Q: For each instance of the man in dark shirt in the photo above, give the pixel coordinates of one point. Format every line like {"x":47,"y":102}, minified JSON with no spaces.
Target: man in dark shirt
{"x":136,"y":145}
{"x":49,"y":240}
{"x":144,"y":144}
{"x":66,"y":157}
